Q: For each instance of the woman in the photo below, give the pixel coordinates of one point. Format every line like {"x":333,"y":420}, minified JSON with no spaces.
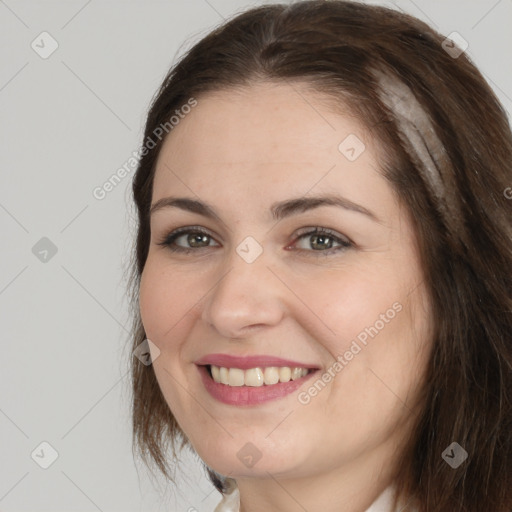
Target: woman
{"x":323,"y":266}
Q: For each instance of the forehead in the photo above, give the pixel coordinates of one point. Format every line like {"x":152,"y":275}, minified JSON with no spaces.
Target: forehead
{"x":286,"y":119}
{"x":285,"y":135}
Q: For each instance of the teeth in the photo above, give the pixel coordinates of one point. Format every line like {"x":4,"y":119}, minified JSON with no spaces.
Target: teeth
{"x":271,"y":375}
{"x":285,"y":374}
{"x":215,"y":373}
{"x":256,"y":377}
{"x":224,"y":375}
{"x":236,"y":377}
{"x":296,"y":373}
{"x":253,"y":377}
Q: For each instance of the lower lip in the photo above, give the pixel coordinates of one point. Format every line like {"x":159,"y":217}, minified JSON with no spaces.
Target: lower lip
{"x":249,"y":395}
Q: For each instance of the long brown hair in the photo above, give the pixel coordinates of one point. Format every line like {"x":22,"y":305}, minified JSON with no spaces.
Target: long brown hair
{"x":448,"y":148}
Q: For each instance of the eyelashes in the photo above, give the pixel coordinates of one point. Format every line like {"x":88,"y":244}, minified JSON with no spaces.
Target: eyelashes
{"x":319,"y":237}
{"x":169,"y":240}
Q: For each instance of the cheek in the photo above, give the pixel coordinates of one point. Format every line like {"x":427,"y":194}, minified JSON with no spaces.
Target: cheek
{"x":170,"y":302}
{"x":375,"y":326}
{"x":349,"y":302}
{"x":150,"y":301}
{"x":164,"y":309}
{"x":161,"y":300}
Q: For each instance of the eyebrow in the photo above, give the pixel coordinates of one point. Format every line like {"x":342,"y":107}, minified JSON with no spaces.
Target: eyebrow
{"x":279,"y":210}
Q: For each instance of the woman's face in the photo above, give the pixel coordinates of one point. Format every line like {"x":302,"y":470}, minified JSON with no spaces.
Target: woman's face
{"x":264,"y":280}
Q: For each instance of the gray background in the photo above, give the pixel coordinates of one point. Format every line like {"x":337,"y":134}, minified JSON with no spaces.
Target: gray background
{"x":68,"y":122}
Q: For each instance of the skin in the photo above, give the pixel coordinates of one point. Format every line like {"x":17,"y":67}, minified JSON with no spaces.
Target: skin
{"x":240,"y":151}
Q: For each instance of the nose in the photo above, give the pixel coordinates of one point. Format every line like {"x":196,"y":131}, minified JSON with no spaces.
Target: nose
{"x":247,"y":295}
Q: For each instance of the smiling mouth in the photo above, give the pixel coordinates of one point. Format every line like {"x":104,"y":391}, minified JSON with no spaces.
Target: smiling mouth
{"x":256,"y":377}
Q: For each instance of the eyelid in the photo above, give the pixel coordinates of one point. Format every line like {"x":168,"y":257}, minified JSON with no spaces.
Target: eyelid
{"x":344,"y":241}
{"x":175,"y":233}
{"x":327,"y":231}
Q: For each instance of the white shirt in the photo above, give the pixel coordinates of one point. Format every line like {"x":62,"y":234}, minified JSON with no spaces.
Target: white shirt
{"x":231,"y":502}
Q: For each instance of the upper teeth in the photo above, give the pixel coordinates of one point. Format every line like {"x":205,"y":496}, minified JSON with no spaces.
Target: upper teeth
{"x":256,"y":376}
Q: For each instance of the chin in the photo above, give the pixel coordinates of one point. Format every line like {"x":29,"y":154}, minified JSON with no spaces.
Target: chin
{"x":244,"y":459}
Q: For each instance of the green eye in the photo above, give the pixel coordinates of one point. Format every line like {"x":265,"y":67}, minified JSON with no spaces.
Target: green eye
{"x":196,"y":237}
{"x":322,"y":240}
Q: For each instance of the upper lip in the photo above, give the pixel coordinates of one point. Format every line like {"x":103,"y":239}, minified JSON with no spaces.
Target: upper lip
{"x":246,"y":362}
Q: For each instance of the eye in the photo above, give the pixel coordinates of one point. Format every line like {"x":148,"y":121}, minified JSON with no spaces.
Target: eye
{"x":322,"y":240}
{"x":195,"y":236}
